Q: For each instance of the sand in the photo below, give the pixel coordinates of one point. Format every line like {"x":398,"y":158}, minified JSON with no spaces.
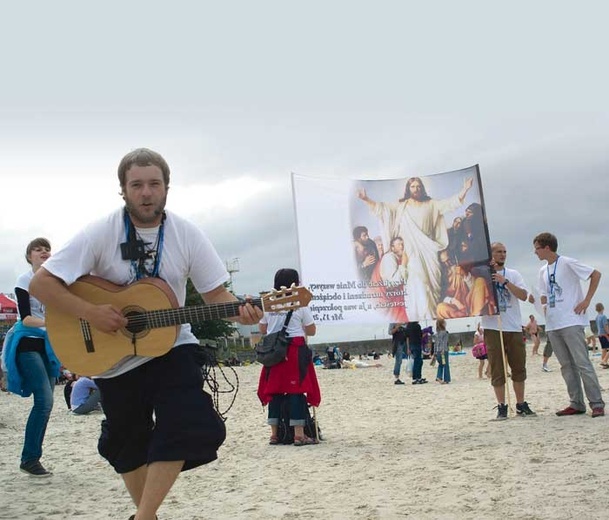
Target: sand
{"x":423,"y":452}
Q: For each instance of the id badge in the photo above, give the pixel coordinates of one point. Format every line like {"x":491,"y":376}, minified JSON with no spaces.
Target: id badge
{"x":552,"y":301}
{"x":502,"y":304}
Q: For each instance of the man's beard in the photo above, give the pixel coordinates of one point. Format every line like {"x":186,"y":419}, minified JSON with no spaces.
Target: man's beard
{"x":145,"y":218}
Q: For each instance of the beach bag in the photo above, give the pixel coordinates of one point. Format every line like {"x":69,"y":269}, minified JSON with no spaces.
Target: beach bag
{"x":273,"y":348}
{"x":479,"y":350}
{"x":409,"y":364}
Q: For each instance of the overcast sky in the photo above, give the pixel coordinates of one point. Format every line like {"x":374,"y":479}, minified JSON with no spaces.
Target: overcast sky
{"x":236,"y":95}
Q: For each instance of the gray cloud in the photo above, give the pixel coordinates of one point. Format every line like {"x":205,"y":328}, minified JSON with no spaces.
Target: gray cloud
{"x":400,"y":89}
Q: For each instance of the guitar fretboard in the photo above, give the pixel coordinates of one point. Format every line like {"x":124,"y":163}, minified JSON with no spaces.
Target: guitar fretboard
{"x":192,"y":314}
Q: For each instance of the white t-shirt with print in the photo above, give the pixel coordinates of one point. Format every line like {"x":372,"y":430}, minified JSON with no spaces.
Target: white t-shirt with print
{"x":511,"y":320}
{"x":186,"y":253}
{"x":567,"y":293}
{"x":301,"y":318}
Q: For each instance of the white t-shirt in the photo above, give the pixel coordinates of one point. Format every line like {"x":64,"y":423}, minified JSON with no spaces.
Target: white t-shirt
{"x":301,"y":318}
{"x":23,"y":282}
{"x":186,"y":253}
{"x":567,"y":292}
{"x":511,"y":321}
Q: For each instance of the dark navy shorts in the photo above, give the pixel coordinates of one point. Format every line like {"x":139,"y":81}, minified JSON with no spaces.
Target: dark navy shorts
{"x":159,"y":412}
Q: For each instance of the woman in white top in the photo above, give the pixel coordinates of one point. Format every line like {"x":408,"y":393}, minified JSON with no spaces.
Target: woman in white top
{"x":295,"y":377}
{"x":32,"y":367}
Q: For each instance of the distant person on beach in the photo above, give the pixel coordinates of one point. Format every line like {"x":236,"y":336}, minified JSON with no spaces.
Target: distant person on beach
{"x":32,"y":367}
{"x":295,"y":377}
{"x":602,"y":329}
{"x":565,"y":306}
{"x":480,"y":352}
{"x":85,"y":396}
{"x":414,"y":348}
{"x":441,"y":354}
{"x":533,"y":330}
{"x":418,"y":219}
{"x":158,"y":419}
{"x":547,"y":349}
{"x":511,"y":290}
{"x":398,"y":341}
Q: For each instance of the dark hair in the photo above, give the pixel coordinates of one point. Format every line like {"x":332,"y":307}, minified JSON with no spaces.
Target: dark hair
{"x":142,"y":157}
{"x":285,"y":278}
{"x":475,"y":208}
{"x":407,"y":193}
{"x":37,"y":242}
{"x":440,"y":324}
{"x":393,"y":240}
{"x":357,"y":232}
{"x":547,"y":239}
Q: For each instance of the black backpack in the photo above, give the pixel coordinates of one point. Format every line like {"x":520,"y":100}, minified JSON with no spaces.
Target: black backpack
{"x":285,"y":432}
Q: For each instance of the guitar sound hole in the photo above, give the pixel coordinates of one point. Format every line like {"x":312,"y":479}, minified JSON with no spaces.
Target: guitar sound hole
{"x":137,"y":322}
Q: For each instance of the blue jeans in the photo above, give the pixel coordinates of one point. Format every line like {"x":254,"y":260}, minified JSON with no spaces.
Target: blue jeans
{"x":33,"y":371}
{"x":399,"y":354}
{"x":443,"y":368}
{"x":417,"y":356}
{"x":297,"y":406}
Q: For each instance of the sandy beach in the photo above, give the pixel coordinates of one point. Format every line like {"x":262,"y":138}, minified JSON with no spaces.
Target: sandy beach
{"x":423,"y":452}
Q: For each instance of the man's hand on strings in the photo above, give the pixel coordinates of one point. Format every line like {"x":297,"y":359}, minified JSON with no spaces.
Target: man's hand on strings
{"x":106,"y":318}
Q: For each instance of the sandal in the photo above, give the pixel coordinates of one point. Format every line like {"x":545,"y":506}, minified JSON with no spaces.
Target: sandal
{"x":274,"y":440}
{"x":302,"y":441}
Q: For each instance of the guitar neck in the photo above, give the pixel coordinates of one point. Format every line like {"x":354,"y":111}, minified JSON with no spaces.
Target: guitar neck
{"x":192,"y":314}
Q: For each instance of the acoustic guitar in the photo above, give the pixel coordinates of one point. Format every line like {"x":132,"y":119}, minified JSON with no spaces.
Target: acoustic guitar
{"x":154,"y":319}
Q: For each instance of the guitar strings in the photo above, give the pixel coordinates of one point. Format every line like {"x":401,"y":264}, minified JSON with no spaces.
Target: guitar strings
{"x":164,"y":317}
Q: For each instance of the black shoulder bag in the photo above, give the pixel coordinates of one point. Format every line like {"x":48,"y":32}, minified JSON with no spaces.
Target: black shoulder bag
{"x":273,"y":348}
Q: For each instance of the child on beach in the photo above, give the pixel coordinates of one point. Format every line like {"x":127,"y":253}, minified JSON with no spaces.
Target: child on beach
{"x":441,"y":353}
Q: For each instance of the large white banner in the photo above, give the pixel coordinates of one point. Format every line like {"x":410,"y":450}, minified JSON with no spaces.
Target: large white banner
{"x":398,"y":250}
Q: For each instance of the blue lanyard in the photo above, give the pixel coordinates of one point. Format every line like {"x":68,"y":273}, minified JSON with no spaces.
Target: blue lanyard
{"x":501,"y":286}
{"x":552,"y":279}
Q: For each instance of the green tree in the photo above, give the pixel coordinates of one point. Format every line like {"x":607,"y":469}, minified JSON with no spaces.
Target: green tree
{"x":211,"y":329}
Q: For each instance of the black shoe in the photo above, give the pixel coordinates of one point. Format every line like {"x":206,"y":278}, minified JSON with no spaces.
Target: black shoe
{"x":422,"y":381}
{"x":502,"y":412}
{"x":398,"y":382}
{"x":34,"y":469}
{"x":523,"y":410}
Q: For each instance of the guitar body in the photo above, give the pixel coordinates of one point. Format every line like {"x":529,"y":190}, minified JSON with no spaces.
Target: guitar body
{"x":85,"y":350}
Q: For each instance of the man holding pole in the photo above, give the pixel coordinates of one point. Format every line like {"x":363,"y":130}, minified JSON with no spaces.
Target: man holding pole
{"x":503,"y":335}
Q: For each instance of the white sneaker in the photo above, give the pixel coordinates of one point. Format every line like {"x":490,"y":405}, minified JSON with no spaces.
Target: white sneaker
{"x":546,"y":369}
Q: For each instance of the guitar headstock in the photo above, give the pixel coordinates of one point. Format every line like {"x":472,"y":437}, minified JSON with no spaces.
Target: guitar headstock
{"x":286,"y":299}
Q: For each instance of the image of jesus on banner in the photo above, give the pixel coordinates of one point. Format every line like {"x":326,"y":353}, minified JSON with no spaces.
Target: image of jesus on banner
{"x":444,"y":268}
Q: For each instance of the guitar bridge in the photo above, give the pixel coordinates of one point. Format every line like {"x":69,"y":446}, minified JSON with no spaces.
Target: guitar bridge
{"x":85,"y":328}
